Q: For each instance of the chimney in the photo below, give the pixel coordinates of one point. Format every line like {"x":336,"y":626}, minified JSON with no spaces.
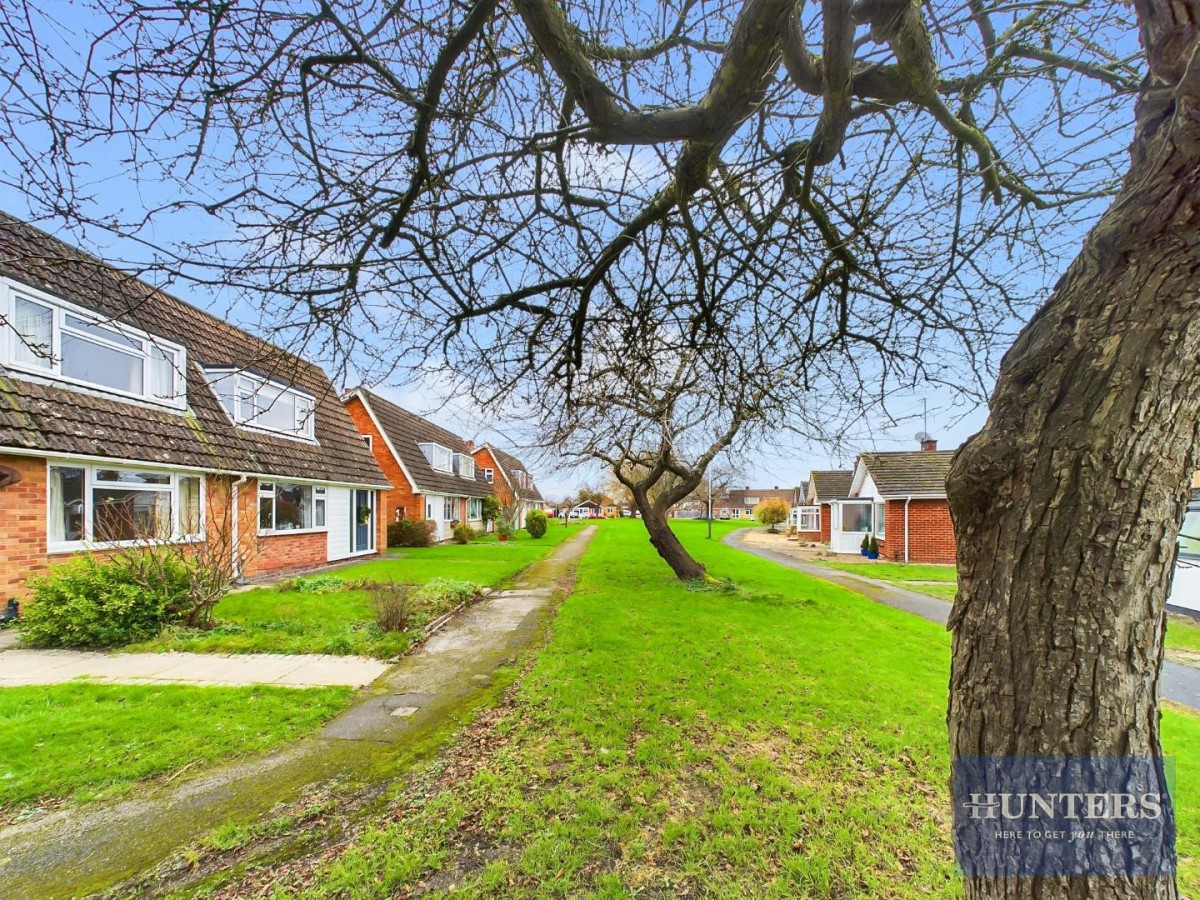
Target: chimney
{"x":775,"y":488}
{"x":747,"y":487}
{"x":929,"y":445}
{"x":470,"y":446}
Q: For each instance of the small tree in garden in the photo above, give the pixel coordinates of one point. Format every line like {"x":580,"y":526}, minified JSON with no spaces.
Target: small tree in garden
{"x":772,"y":512}
{"x":491,"y":509}
{"x":535,"y":523}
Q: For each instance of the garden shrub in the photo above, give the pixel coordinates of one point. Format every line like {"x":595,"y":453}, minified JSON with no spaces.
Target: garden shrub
{"x":314,"y":584}
{"x":392,"y":610}
{"x":410,"y":533}
{"x":535,"y":523}
{"x":446,"y":593}
{"x":92,"y":603}
{"x":463,"y":533}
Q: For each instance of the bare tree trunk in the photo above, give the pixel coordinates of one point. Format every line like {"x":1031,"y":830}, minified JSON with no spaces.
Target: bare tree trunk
{"x":1067,"y":504}
{"x":665,"y":541}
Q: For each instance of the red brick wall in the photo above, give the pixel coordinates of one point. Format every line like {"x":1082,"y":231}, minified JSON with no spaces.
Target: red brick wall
{"x":401,"y":498}
{"x":484,"y":460}
{"x":22,"y":525}
{"x":930,"y":532}
{"x":826,"y":522}
{"x":289,"y":552}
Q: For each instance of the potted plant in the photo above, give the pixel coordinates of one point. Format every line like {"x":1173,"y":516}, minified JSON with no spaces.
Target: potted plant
{"x":865,"y":546}
{"x":504,"y":529}
{"x":873,"y":548}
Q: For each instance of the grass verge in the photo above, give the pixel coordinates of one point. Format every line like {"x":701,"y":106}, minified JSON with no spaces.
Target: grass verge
{"x":269,"y":620}
{"x":81,"y":741}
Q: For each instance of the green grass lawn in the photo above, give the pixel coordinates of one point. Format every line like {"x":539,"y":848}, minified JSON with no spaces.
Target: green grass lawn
{"x":785,"y":739}
{"x":83,"y":741}
{"x":269,"y":620}
{"x":907,"y":575}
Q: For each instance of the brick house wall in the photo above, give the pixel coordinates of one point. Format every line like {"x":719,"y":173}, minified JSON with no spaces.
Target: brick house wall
{"x":22,"y":525}
{"x":401,"y":502}
{"x":485,"y":460}
{"x":826,"y":523}
{"x":930,"y":532}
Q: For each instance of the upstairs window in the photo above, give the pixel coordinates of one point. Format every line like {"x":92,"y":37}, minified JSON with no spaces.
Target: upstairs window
{"x":439,"y":457}
{"x":489,"y":475}
{"x":254,"y":401}
{"x":464,"y":466}
{"x":58,"y":340}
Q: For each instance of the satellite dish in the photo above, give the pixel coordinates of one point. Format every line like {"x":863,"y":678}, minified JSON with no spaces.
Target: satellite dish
{"x":923,"y":436}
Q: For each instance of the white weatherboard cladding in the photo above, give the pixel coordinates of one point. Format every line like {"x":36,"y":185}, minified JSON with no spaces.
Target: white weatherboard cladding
{"x":337,"y":520}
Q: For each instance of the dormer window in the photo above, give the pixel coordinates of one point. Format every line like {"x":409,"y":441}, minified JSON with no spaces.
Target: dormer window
{"x":255,"y":402}
{"x":441,"y":458}
{"x":464,"y":466}
{"x":49,"y":337}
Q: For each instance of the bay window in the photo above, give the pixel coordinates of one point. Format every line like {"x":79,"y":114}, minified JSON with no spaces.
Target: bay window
{"x":283,"y":506}
{"x":58,"y":340}
{"x":106,"y":504}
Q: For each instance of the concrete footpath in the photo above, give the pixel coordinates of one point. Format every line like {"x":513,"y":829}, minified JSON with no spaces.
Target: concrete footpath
{"x":24,"y":667}
{"x":1179,"y":683}
{"x":83,"y":850}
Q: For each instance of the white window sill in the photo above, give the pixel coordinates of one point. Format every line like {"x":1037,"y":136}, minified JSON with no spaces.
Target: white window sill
{"x":284,"y":532}
{"x":85,"y":546}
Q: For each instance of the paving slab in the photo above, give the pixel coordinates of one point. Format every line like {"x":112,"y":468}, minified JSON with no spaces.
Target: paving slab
{"x":26,"y":667}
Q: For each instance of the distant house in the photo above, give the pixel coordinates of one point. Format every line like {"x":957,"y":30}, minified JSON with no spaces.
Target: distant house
{"x":131,"y":416}
{"x":739,"y":503}
{"x":432,"y":471}
{"x":814,"y":515}
{"x":900,"y":497}
{"x":510,"y":481}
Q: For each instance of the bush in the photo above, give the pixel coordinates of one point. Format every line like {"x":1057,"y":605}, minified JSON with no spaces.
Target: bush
{"x":392,"y":611}
{"x":313,"y":584}
{"x":446,"y":593}
{"x":90,"y":603}
{"x":463,"y":533}
{"x":772,"y":512}
{"x":535,"y":523}
{"x":410,"y":533}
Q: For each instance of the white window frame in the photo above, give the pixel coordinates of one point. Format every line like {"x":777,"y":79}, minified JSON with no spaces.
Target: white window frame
{"x":448,"y":509}
{"x":246,"y":382}
{"x":808,"y":518}
{"x":90,"y":483}
{"x":318,"y":497}
{"x":434,"y":452}
{"x":474,"y":509}
{"x":879,"y":517}
{"x":489,"y":475}
{"x":59,"y":310}
{"x":464,"y":466}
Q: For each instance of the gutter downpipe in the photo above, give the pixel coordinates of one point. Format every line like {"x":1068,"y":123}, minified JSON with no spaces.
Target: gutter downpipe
{"x":234,"y":491}
{"x":907,"y":500}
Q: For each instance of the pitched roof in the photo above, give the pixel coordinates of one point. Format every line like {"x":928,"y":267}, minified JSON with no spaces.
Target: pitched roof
{"x":406,"y":431}
{"x":903,"y":472}
{"x":49,"y":418}
{"x":830,"y":484}
{"x":509,"y":466}
{"x":737,"y":497}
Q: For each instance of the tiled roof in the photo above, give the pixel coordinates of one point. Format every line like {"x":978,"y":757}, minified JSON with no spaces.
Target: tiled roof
{"x":406,"y":431}
{"x":909,"y":471}
{"x":49,"y":418}
{"x":511,"y":465}
{"x":736,"y":497}
{"x":830,"y":484}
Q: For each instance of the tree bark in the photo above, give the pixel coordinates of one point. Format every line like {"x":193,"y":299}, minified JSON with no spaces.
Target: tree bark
{"x":1068,"y":503}
{"x":665,"y":541}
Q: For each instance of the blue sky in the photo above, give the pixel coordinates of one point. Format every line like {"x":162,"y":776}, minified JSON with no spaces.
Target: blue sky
{"x":786,"y":460}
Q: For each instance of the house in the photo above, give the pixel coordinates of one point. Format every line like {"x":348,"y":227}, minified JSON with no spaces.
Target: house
{"x":739,"y":504}
{"x":900,"y":497}
{"x":129,"y":415}
{"x":813,"y":516}
{"x":433,"y":473}
{"x":510,"y":481}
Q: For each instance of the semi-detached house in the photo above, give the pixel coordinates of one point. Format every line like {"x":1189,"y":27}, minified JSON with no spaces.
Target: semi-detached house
{"x":128,"y":415}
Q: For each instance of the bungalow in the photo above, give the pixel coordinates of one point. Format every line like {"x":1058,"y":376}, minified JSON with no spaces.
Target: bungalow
{"x":814,"y":517}
{"x":739,"y":504}
{"x":510,"y":481}
{"x":131,"y":416}
{"x":900,"y":497}
{"x":432,"y":471}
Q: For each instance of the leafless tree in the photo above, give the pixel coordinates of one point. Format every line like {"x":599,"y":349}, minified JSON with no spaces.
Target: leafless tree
{"x":635,"y":217}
